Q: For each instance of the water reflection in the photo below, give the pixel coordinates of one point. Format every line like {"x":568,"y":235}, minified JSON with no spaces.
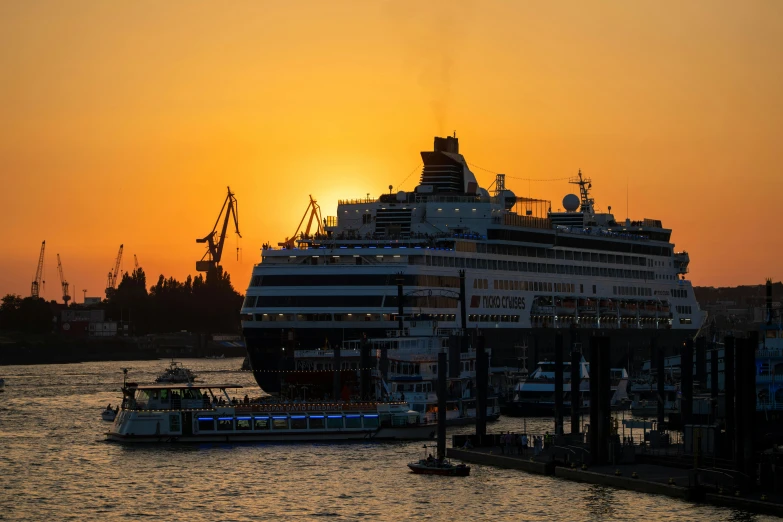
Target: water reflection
{"x":55,"y":464}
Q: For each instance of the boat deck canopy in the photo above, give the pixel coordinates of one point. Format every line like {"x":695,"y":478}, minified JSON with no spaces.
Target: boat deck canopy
{"x":182,"y":386}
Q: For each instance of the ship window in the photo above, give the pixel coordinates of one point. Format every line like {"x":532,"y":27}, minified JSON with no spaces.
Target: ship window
{"x":316,"y":422}
{"x":298,"y":422}
{"x":225,"y":424}
{"x":581,"y":288}
{"x":353,"y":421}
{"x":243,"y":424}
{"x":371,"y":421}
{"x":334,"y":422}
{"x":206,"y":424}
{"x":174,"y":422}
{"x":280,"y":423}
{"x":593,"y":289}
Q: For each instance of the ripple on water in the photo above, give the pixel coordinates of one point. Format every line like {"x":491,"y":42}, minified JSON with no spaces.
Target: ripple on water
{"x":55,"y":464}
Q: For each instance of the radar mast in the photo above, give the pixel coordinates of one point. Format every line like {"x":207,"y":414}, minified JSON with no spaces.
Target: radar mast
{"x":585,"y":184}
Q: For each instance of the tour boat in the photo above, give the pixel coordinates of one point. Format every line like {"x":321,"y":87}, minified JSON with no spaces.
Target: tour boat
{"x":209,"y":413}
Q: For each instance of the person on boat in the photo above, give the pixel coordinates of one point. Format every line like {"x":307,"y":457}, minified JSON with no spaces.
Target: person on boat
{"x":108,"y":407}
{"x":523,"y":444}
{"x":467,"y":445}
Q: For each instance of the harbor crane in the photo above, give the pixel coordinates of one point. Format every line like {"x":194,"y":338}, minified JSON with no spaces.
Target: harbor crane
{"x":215,"y":241}
{"x":315,"y":215}
{"x":111,"y":281}
{"x":38,"y":284}
{"x":63,"y":282}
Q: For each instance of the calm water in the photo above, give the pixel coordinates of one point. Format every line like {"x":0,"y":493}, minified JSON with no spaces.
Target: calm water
{"x":54,"y":463}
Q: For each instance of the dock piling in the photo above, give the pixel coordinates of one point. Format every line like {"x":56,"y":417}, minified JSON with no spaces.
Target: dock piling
{"x":442,"y":372}
{"x":559,"y":383}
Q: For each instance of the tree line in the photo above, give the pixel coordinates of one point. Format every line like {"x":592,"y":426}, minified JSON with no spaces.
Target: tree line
{"x":199,"y":304}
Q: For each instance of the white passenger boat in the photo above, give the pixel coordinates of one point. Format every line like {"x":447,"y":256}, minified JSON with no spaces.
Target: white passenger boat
{"x":206,"y":413}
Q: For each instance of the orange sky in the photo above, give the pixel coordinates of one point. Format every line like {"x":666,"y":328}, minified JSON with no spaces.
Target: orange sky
{"x":123,"y":122}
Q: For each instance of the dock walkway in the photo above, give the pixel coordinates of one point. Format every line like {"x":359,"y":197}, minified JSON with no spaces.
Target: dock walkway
{"x":649,"y":478}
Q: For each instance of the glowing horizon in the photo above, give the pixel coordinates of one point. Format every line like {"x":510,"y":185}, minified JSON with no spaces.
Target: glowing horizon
{"x":125,"y":123}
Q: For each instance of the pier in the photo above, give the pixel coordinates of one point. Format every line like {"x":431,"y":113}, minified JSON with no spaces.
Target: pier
{"x":696,"y":454}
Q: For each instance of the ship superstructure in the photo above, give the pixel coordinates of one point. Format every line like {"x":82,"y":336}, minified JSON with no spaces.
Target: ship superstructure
{"x":526,"y":270}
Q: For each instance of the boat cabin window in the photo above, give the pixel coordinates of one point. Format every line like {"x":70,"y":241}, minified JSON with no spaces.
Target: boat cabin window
{"x":261,"y":423}
{"x":334,"y":422}
{"x":280,"y":423}
{"x":206,"y":424}
{"x":164,"y":396}
{"x":298,"y":422}
{"x":316,"y":422}
{"x":244,"y":423}
{"x":353,"y":421}
{"x":371,"y":421}
{"x":225,"y":424}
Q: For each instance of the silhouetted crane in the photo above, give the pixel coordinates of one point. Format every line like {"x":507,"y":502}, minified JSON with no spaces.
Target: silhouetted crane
{"x":111,"y":281}
{"x":63,"y":282}
{"x":315,"y":214}
{"x":214,"y":241}
{"x":38,"y":284}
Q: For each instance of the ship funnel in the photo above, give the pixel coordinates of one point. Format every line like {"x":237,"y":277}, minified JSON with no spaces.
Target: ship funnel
{"x":447,"y":144}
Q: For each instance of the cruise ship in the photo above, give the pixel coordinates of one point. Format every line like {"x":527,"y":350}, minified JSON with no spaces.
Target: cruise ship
{"x":504,"y":267}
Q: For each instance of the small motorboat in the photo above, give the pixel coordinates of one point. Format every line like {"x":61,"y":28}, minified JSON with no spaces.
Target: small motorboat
{"x":176,"y":374}
{"x":109,"y":414}
{"x":438,"y":466}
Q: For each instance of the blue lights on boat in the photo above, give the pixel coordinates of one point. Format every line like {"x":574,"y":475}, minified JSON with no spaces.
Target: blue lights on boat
{"x":335,"y":416}
{"x":352,"y":416}
{"x":371,"y":416}
{"x":206,"y":419}
{"x":316,"y":416}
{"x":343,"y":247}
{"x":297,"y":416}
{"x":243,"y":418}
{"x":372,"y":247}
{"x":225,"y":418}
{"x":279,"y":418}
{"x":387,"y":247}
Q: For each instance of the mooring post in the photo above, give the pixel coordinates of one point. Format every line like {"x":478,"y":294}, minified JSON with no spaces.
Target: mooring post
{"x":558,"y":383}
{"x":701,"y":362}
{"x":749,"y":403}
{"x":442,"y":373}
{"x":337,"y":380}
{"x":365,"y":373}
{"x":576,"y":383}
{"x":661,"y":382}
{"x":482,"y":369}
{"x":686,"y":380}
{"x":729,"y":394}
